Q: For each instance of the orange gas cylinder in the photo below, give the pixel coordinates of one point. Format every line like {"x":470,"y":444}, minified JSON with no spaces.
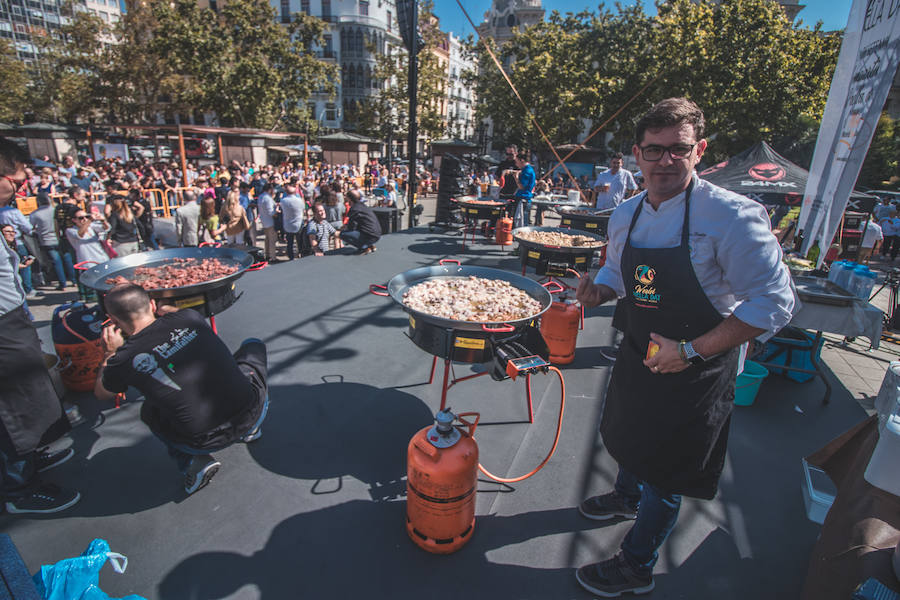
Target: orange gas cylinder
{"x":504,"y":228}
{"x":559,"y":326}
{"x":442,"y":474}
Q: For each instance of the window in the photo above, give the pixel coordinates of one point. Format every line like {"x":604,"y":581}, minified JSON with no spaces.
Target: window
{"x":285,"y":11}
{"x":389,"y":20}
{"x":330,"y":111}
{"x":20,"y":28}
{"x":363,"y":8}
{"x":17,"y":10}
{"x":351,"y":77}
{"x":329,"y":47}
{"x":326,"y":12}
{"x":304,"y":6}
{"x":4,"y":26}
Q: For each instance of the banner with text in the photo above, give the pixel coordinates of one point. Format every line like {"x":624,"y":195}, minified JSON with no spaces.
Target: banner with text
{"x":862,"y":79}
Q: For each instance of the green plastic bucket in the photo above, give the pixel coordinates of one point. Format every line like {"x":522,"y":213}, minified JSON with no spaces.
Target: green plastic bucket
{"x":748,"y":383}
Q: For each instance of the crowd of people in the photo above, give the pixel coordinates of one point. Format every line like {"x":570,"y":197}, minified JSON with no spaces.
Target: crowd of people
{"x":85,"y":214}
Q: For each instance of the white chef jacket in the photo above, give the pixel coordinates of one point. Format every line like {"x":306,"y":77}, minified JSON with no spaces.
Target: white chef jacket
{"x":735,"y":256}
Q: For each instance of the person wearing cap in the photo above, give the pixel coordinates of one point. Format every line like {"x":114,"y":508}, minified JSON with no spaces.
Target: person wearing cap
{"x":31,"y":415}
{"x":698,"y":273}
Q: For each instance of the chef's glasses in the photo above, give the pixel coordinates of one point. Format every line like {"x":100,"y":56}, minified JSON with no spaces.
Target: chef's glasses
{"x":654,"y":153}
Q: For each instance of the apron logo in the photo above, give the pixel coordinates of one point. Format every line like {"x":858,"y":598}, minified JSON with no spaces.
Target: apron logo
{"x":644,"y":290}
{"x":645,"y":274}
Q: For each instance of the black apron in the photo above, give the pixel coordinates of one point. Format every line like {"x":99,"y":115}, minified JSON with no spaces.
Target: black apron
{"x":670,"y":430}
{"x":30,"y":413}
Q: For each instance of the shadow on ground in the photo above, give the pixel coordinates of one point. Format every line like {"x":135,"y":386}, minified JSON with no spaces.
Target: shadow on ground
{"x":361,"y":549}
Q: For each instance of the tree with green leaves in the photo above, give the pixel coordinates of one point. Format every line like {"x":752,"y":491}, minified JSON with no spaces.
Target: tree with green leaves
{"x":881,"y":160}
{"x":65,"y":83}
{"x":755,"y":75}
{"x":15,"y":80}
{"x":241,"y":63}
{"x":393,"y":98}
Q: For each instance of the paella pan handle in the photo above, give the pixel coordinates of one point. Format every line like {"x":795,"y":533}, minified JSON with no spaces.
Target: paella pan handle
{"x":444,"y":261}
{"x":505,"y":328}
{"x":376,"y":289}
{"x":213,"y":244}
{"x":574,"y":273}
{"x":257,"y":266}
{"x":82,"y":265}
{"x":553,"y":287}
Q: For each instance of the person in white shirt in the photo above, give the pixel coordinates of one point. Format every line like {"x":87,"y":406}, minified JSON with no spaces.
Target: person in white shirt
{"x":871,"y":236}
{"x":698,"y":273}
{"x":615,"y":185}
{"x":267,"y":209}
{"x":294,"y":209}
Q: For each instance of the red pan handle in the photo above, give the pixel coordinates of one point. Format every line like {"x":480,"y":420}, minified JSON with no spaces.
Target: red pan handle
{"x":574,"y":273}
{"x":213,"y":244}
{"x":505,"y":328}
{"x":374,"y":289}
{"x":548,"y":285}
{"x":257,"y":266}
{"x":81,"y":266}
{"x":444,"y":261}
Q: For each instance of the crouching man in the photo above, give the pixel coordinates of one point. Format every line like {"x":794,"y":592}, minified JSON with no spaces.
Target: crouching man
{"x":198,"y":398}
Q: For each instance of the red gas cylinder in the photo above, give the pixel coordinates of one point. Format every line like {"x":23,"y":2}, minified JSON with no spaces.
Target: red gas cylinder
{"x":559,"y":326}
{"x":504,"y":229}
{"x":442,"y":474}
{"x":602,"y":260}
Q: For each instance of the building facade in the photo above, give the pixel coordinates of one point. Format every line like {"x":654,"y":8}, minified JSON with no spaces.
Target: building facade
{"x":460,"y":96}
{"x":358,"y":32}
{"x":505,"y":16}
{"x":23,"y":21}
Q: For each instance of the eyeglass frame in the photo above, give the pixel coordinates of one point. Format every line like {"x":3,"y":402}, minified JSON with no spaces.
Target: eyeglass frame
{"x":668,"y":149}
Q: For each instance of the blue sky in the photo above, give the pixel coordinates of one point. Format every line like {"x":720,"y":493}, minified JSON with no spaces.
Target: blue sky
{"x":833,"y":13}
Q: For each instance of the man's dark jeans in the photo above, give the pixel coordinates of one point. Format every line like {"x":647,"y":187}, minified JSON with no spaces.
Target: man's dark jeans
{"x":358,"y":239}
{"x":251,"y":358}
{"x":657,"y":514}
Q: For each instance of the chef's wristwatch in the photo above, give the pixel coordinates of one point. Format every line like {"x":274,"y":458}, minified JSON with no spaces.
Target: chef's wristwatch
{"x":688,"y":354}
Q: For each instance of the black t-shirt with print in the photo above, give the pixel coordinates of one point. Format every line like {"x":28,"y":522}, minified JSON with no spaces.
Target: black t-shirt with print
{"x":190,"y":380}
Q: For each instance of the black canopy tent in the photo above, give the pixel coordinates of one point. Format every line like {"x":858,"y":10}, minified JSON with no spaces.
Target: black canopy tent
{"x":769,"y":178}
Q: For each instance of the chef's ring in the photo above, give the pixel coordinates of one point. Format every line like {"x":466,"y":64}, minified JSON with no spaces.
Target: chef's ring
{"x":655,"y":369}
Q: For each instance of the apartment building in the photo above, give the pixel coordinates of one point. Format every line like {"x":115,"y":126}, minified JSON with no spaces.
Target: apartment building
{"x":22,"y":21}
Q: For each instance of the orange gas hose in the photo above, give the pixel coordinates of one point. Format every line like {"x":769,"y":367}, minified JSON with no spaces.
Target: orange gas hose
{"x":562,"y":407}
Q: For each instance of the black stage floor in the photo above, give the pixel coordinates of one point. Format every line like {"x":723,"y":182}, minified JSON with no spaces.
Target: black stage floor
{"x":315,"y":508}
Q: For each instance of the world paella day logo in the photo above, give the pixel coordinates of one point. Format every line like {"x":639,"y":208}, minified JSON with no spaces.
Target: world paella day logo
{"x":644,"y":290}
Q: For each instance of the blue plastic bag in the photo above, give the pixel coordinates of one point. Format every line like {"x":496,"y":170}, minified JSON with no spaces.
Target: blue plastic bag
{"x":79,"y":578}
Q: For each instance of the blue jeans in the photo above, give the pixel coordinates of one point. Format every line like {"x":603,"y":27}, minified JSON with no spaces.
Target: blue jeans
{"x":62,"y":264}
{"x":184,"y":454}
{"x":358,"y":239}
{"x":656,"y":517}
{"x":25,"y":273}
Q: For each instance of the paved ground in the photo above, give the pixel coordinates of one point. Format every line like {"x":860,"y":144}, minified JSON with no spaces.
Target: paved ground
{"x":314,"y":509}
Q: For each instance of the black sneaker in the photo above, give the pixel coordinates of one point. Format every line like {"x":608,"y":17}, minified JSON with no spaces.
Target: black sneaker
{"x":44,"y":460}
{"x":611,"y":578}
{"x":200,"y":472}
{"x":607,"y":506}
{"x":46,"y":498}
